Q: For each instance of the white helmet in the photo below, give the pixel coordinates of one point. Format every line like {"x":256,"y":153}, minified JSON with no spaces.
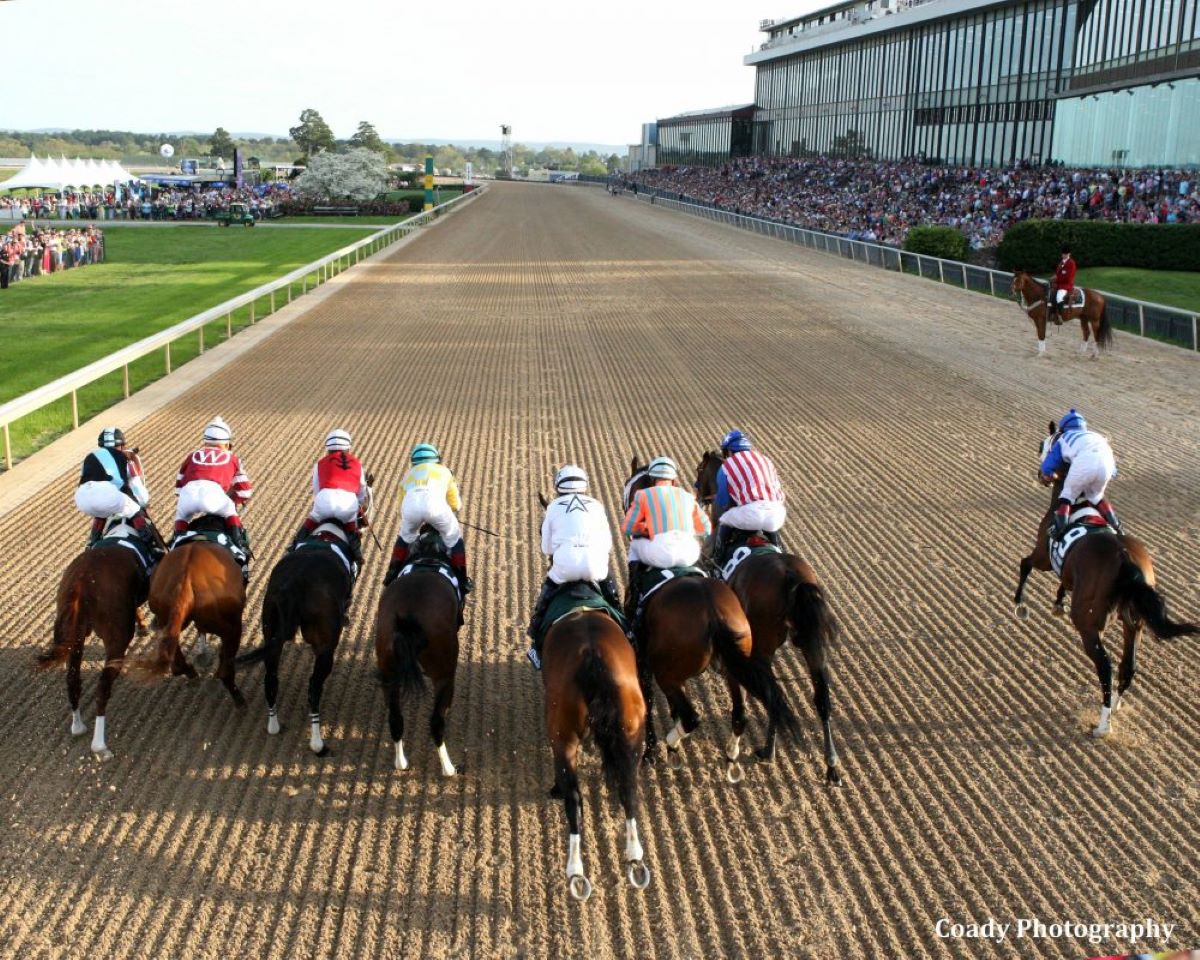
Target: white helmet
{"x":337,"y":439}
{"x":663,"y":468}
{"x":217,"y":431}
{"x":571,"y":479}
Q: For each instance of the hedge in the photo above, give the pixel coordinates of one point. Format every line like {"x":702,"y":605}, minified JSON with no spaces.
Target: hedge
{"x":944,"y":242}
{"x":1036,"y":245}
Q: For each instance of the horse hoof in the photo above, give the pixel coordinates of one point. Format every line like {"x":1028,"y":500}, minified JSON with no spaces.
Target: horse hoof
{"x":765,"y":755}
{"x":648,"y":758}
{"x":733,"y":749}
{"x":319,"y":749}
{"x":78,"y":727}
{"x":580,"y":887}
{"x":674,"y":759}
{"x":1058,"y":610}
{"x":1117,"y":700}
{"x":735,"y":772}
{"x":1021,"y":611}
{"x":555,"y":793}
{"x":239,"y":700}
{"x":1101,"y":731}
{"x":832,"y":777}
{"x":273,"y":727}
{"x":102,"y":754}
{"x":638,"y":874}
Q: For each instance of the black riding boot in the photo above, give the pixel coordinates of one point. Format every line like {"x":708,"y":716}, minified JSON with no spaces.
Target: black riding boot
{"x":720,"y":539}
{"x":534,"y":630}
{"x":354,"y":544}
{"x":1110,"y":516}
{"x":632,"y":594}
{"x":301,"y":535}
{"x":1062,"y":513}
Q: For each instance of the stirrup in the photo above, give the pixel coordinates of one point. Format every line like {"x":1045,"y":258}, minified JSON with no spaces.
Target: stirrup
{"x":534,"y":658}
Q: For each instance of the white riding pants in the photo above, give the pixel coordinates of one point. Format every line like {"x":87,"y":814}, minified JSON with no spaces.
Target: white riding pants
{"x":573,"y":563}
{"x":203,"y":496}
{"x":101,"y":499}
{"x":1089,"y":476}
{"x":335,"y":504}
{"x":1060,"y":296}
{"x":765,"y":515}
{"x":672,"y":548}
{"x":418,"y":508}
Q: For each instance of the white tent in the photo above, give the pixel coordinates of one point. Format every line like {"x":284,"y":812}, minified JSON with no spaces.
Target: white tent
{"x":62,"y":173}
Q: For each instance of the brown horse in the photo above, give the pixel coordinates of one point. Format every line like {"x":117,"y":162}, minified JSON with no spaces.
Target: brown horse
{"x":590,"y":678}
{"x":309,"y":591}
{"x":1093,"y":317}
{"x":100,"y":592}
{"x":783,"y":598}
{"x":687,"y":624}
{"x":1103,"y":573}
{"x":198,"y":582}
{"x":416,"y":635}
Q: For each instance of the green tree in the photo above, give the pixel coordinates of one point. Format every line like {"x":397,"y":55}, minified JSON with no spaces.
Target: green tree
{"x":367,"y":137}
{"x":313,"y":134}
{"x":220,"y":144}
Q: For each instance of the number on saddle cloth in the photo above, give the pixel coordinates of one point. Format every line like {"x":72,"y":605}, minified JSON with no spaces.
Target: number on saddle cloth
{"x":1083,"y":523}
{"x":740,"y":545}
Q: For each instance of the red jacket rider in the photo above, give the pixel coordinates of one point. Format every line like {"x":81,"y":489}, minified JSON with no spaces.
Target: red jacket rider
{"x":1064,"y":280}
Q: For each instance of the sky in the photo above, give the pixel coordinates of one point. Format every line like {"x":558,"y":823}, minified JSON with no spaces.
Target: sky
{"x":555,"y":71}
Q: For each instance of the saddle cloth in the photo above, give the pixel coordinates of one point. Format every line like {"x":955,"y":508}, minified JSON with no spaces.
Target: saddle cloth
{"x":578,"y":595}
{"x":336,"y":547}
{"x":123,"y":535}
{"x":436,"y":565}
{"x":653,"y":578}
{"x":1082,"y":523}
{"x":745,"y":544}
{"x":1075,"y":301}
{"x":211,"y":536}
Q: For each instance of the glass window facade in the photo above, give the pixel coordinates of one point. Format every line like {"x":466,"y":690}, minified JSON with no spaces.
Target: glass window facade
{"x":1143,"y":126}
{"x":983,"y":87}
{"x":706,"y":139}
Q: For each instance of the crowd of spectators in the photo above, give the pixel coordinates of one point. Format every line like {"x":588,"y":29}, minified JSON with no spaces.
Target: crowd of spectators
{"x":30,"y":251}
{"x":160,"y":204}
{"x":879,"y":201}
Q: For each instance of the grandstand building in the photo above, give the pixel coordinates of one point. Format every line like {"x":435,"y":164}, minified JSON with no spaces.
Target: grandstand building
{"x":979,"y":82}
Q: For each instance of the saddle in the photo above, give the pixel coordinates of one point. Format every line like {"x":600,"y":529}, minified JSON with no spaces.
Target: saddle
{"x":1075,"y":301}
{"x":1083,"y":522}
{"x":740,"y":545}
{"x":118,"y":533}
{"x":577,"y":595}
{"x":430,"y":553}
{"x":210,"y":529}
{"x":332,"y":537}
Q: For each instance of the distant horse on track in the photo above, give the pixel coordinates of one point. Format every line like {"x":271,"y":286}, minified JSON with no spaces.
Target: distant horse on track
{"x":783,"y":599}
{"x":1103,"y":572}
{"x":1093,"y":315}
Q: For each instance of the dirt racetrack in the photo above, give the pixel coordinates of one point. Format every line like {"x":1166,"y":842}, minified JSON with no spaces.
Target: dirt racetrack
{"x":547,"y":324}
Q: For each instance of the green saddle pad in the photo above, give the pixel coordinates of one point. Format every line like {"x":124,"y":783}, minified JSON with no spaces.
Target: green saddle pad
{"x":577,"y":596}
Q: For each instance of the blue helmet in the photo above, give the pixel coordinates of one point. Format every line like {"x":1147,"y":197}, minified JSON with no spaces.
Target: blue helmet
{"x":735,"y":442}
{"x":424,"y":453}
{"x":1071,"y":420}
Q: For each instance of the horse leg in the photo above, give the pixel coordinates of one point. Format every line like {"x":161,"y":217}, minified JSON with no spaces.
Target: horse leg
{"x":1058,"y":610}
{"x":75,"y":687}
{"x":686,"y":721}
{"x":271,"y":684}
{"x":1020,"y":610}
{"x":1132,"y":631}
{"x":322,"y":667}
{"x":180,"y":667}
{"x":108,"y":676}
{"x":395,"y":714}
{"x":1084,"y":347}
{"x":566,"y":781}
{"x":1040,"y":323}
{"x":1093,"y":646}
{"x":443,"y":698}
{"x":231,"y":640}
{"x":646,"y":682}
{"x":821,"y":700}
{"x":737,"y":719}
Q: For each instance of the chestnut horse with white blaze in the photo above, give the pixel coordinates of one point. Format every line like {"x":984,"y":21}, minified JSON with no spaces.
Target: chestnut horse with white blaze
{"x":1104,"y":572}
{"x":1093,"y":316}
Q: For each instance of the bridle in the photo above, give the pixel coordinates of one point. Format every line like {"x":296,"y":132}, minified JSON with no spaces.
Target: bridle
{"x":1030,"y":307}
{"x":627,"y":492}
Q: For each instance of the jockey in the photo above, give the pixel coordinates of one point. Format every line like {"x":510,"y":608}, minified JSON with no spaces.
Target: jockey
{"x":1091,"y":467}
{"x":576,"y":535}
{"x":1064,"y":282}
{"x":111,"y":484}
{"x":430,"y":495}
{"x":749,"y":494}
{"x":212,"y":481}
{"x":666,"y":524}
{"x":340,"y":492}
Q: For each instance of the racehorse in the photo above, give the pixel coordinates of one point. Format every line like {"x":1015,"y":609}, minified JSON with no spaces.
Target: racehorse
{"x":197,"y":582}
{"x":416,"y":635}
{"x":1093,"y":317}
{"x":783,"y":598}
{"x":100,"y":592}
{"x":590,"y":678}
{"x":309,"y":590}
{"x":687,"y":623}
{"x":1103,"y":572}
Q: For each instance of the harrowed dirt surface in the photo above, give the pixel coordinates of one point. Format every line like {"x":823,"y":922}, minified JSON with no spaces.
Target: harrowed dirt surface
{"x":548,"y":324}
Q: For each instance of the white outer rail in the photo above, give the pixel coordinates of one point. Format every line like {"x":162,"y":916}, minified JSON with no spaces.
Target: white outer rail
{"x":325,"y":268}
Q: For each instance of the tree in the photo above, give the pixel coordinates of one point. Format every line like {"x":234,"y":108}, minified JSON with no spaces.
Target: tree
{"x":220,"y":144}
{"x":367,"y":138}
{"x":313,"y":134}
{"x":359,"y":175}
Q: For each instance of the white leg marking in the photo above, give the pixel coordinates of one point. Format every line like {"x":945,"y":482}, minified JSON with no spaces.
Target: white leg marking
{"x":676,"y":735}
{"x":733,"y":749}
{"x":401,"y":759}
{"x":447,"y":767}
{"x":99,"y":746}
{"x":574,"y":859}
{"x":1116,"y":701}
{"x":315,"y":743}
{"x":1041,"y":347}
{"x":1103,"y":728}
{"x":78,"y":727}
{"x":272,"y":721}
{"x":633,"y":846}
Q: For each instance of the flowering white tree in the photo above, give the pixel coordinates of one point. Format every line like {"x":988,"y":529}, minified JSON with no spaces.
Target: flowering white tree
{"x":358,"y":175}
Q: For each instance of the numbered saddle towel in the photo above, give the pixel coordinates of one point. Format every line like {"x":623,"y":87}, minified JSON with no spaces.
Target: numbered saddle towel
{"x":1082,"y":523}
{"x":580,"y":595}
{"x":742,"y":544}
{"x":204,"y":532}
{"x":123,"y":535}
{"x":331,"y":537}
{"x":429,"y":553}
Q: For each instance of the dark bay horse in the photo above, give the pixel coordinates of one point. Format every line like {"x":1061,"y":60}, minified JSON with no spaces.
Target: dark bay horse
{"x":308,"y":591}
{"x":198,"y":582}
{"x":1103,"y":573}
{"x":1092,"y":316}
{"x":689,"y":623}
{"x":590,"y":679}
{"x":783,"y":599}
{"x":416,"y":636}
{"x":100,"y":592}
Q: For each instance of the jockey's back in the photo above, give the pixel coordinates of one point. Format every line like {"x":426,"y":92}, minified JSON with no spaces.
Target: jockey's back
{"x":575,"y":519}
{"x":216,"y":465}
{"x":664,"y":508}
{"x":748,"y":477}
{"x":340,"y":470}
{"x":433,"y":479}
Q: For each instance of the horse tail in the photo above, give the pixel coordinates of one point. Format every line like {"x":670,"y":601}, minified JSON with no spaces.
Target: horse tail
{"x":1133,"y":592}
{"x":619,"y":754}
{"x":1104,"y":332}
{"x":750,"y":672}
{"x":280,"y":621}
{"x":169,"y":630}
{"x":813,"y":627}
{"x":70,"y":627}
{"x":408,"y":641}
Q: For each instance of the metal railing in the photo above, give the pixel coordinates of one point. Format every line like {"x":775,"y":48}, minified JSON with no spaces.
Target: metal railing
{"x":1159,"y":321}
{"x":325,"y":268}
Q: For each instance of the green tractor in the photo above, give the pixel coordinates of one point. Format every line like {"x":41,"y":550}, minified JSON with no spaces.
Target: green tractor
{"x":237,"y":213}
